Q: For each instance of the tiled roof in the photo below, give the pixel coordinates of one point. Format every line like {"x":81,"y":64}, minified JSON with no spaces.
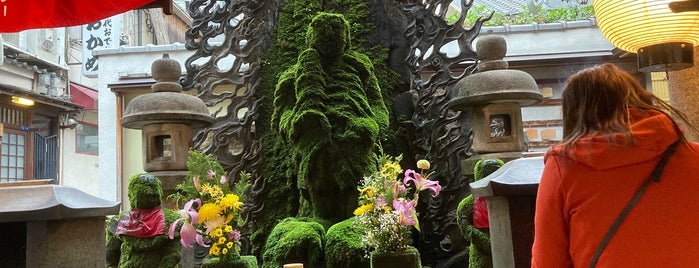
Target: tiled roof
{"x":502,"y":6}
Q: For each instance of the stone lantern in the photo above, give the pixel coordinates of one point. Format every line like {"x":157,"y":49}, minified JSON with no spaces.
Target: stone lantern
{"x":166,"y":118}
{"x":495,"y":95}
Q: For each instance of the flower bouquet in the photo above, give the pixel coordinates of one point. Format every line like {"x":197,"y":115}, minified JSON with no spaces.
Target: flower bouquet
{"x":211,"y":217}
{"x":386,"y":211}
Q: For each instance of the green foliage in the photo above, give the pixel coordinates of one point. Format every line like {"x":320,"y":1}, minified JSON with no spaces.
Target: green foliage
{"x":198,"y":165}
{"x":343,"y":246}
{"x":294,"y":241}
{"x":526,"y":16}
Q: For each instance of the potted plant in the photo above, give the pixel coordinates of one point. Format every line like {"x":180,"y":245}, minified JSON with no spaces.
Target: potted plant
{"x":386,"y":212}
{"x":211,"y":217}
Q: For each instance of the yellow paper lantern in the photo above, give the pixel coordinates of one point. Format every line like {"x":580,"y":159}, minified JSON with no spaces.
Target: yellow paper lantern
{"x":651,"y":29}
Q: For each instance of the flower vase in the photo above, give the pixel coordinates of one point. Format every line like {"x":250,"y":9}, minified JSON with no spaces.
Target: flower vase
{"x":242,"y":262}
{"x":406,"y":259}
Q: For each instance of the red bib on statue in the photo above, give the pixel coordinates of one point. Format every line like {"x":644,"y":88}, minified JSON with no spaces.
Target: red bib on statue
{"x":480,"y":213}
{"x":142,"y":223}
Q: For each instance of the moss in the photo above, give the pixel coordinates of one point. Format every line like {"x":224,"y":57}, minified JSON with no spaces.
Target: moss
{"x":294,"y":241}
{"x":243,"y":262}
{"x":485,"y":167}
{"x":282,"y":196}
{"x":343,"y":246}
{"x":464,"y":215}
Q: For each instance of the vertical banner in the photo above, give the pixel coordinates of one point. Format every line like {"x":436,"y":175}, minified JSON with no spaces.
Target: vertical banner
{"x":100,"y":34}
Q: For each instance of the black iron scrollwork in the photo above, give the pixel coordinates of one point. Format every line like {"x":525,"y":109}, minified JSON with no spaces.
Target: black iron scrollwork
{"x":443,"y":136}
{"x":229,"y":38}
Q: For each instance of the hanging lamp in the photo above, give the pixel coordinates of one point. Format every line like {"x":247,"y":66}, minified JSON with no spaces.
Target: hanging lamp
{"x":663,"y":40}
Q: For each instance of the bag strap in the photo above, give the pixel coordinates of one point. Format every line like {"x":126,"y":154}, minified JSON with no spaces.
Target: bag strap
{"x":654,"y":177}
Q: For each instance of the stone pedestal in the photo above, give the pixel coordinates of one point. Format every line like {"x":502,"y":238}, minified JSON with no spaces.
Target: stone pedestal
{"x":511,"y":195}
{"x":52,"y":226}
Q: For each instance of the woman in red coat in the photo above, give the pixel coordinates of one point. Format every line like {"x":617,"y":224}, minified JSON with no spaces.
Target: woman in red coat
{"x":615,"y":133}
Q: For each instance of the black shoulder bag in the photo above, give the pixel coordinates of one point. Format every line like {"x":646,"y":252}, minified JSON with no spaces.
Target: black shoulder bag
{"x":654,"y":177}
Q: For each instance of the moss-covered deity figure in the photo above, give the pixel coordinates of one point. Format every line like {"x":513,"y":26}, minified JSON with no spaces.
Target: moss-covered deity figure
{"x":141,"y":230}
{"x":329,"y":106}
{"x":472,"y":217}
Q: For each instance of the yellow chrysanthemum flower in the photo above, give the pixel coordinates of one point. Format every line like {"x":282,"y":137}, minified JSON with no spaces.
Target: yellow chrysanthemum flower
{"x":214,"y":250}
{"x":209,"y":211}
{"x":212,"y":190}
{"x":390,"y":170}
{"x":360,"y":210}
{"x":217,"y":233}
{"x":231,"y":201}
{"x":369,"y":191}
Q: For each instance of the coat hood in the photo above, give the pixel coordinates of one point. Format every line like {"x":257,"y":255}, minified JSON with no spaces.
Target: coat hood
{"x":652,"y":130}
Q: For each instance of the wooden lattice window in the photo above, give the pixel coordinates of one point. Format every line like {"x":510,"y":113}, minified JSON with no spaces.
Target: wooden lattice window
{"x":12,"y":156}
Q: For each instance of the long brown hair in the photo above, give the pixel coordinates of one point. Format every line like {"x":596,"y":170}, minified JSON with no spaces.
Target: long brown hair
{"x":596,"y":101}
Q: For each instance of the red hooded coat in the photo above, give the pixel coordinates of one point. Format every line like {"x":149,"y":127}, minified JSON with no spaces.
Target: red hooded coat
{"x":582,"y":191}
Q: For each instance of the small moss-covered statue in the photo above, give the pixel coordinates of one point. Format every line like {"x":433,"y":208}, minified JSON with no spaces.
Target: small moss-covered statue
{"x":472,"y":218}
{"x":329,"y":106}
{"x":141,"y":230}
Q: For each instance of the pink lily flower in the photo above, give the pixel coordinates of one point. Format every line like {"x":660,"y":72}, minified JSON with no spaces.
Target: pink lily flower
{"x":420,"y":183}
{"x":223,"y":180}
{"x":188,"y":233}
{"x":397,"y":188}
{"x":405,"y":211}
{"x":210,"y":174}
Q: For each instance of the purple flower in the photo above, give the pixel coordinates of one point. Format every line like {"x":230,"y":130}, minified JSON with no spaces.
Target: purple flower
{"x":234,"y":235}
{"x":188,"y":233}
{"x":420,"y":183}
{"x":405,"y":211}
{"x":210,"y":174}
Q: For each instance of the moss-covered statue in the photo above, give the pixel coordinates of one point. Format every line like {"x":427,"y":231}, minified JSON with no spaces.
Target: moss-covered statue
{"x":141,"y":230}
{"x":472,"y":217}
{"x":329,"y":106}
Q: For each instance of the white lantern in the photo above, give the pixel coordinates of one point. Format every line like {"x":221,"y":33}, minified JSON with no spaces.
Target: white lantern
{"x":663,"y":40}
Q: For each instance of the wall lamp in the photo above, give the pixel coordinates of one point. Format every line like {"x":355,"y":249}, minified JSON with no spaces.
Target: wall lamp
{"x":22,"y":101}
{"x":662,"y":39}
